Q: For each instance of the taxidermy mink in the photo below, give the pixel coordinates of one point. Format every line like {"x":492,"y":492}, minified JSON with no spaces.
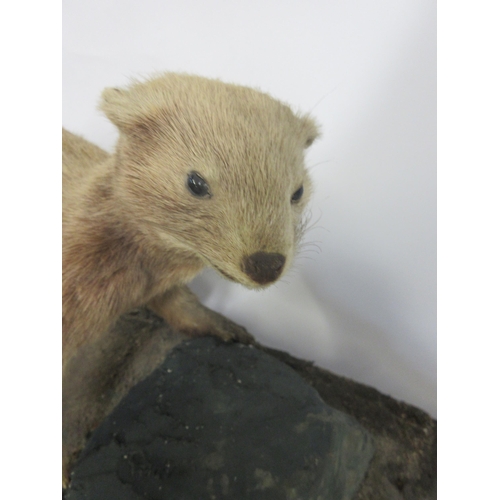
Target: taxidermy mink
{"x":204,"y":173}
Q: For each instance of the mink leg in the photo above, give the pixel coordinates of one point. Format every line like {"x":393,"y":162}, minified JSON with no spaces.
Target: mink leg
{"x":183,"y":311}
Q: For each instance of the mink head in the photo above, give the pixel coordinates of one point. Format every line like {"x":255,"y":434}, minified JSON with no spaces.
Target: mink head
{"x":215,"y":169}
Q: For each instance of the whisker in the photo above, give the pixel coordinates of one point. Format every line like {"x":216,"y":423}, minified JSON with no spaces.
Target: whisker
{"x":309,"y":227}
{"x":311,"y":167}
{"x":324,"y":97}
{"x":308,"y":243}
{"x":303,"y":257}
{"x":317,"y":227}
{"x":311,"y":244}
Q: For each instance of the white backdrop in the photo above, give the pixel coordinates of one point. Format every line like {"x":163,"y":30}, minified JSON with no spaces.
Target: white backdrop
{"x":364,"y":305}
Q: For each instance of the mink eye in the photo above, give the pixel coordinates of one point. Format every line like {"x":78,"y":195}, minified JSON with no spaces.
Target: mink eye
{"x":197,"y":185}
{"x":298,"y":194}
{"x":309,"y":141}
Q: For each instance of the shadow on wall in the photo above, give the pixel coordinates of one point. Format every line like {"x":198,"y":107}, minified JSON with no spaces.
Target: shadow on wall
{"x":373,"y":344}
{"x":297,"y":316}
{"x":365,"y":353}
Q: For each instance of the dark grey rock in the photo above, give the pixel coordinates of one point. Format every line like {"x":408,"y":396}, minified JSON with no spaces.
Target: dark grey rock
{"x":223,"y":421}
{"x":404,"y":466}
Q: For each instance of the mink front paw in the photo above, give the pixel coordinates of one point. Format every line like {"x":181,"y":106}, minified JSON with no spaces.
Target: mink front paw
{"x":228,"y":331}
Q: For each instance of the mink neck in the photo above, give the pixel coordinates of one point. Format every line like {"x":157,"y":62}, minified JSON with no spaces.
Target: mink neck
{"x":113,"y":223}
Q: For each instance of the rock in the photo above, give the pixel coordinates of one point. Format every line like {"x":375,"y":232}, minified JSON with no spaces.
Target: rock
{"x":223,"y":421}
{"x":404,"y":466}
{"x":404,"y":462}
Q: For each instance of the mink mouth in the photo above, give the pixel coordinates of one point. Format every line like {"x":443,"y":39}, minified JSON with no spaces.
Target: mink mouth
{"x":226,"y":275}
{"x":234,"y":280}
{"x":209,"y":263}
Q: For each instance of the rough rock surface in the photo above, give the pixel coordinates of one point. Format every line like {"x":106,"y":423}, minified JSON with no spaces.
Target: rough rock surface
{"x":404,"y":466}
{"x":404,"y":462}
{"x":222,"y":421}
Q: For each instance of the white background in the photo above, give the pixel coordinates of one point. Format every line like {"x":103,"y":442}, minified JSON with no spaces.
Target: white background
{"x":365,"y":305}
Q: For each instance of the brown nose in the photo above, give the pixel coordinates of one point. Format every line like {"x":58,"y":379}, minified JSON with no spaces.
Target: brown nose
{"x":264,"y":267}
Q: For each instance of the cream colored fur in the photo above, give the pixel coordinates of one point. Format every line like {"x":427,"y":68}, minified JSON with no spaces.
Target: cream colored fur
{"x":134,"y":235}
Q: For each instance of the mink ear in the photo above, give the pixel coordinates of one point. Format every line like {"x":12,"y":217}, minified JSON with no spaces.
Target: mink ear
{"x":311,"y":130}
{"x":117,"y":106}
